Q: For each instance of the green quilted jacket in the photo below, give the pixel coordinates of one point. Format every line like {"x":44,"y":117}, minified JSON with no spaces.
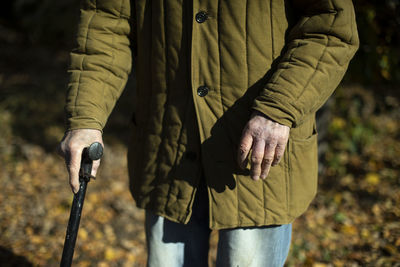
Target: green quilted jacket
{"x":201,"y":68}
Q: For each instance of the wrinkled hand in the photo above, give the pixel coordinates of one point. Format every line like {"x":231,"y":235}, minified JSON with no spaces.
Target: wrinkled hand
{"x":71,"y":147}
{"x":267,"y":139}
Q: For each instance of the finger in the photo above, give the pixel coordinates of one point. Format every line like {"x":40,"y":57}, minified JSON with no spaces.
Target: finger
{"x":73,"y":166}
{"x":95,"y":167}
{"x":279,"y":151}
{"x":257,"y":154}
{"x":60,"y":149}
{"x":269,"y":153}
{"x":244,"y":149}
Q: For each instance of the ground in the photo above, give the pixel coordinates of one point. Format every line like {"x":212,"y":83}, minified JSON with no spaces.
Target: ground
{"x":353,"y":221}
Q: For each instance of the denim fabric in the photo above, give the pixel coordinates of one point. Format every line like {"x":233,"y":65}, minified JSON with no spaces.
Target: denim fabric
{"x":175,"y":245}
{"x":255,"y":247}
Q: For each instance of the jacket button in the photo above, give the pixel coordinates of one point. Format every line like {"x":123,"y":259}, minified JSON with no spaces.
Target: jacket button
{"x":202,"y":91}
{"x":201,"y":17}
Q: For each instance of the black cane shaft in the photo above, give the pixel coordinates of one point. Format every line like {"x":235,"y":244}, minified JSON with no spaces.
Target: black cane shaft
{"x":73,"y":225}
{"x":89,"y":154}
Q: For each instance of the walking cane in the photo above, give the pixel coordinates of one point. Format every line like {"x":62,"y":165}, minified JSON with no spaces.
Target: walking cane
{"x":89,"y":154}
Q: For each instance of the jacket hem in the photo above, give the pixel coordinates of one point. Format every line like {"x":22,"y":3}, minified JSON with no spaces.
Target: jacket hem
{"x":218,"y":226}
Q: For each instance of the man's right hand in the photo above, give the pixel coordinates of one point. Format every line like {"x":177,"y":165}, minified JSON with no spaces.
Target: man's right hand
{"x":71,"y":147}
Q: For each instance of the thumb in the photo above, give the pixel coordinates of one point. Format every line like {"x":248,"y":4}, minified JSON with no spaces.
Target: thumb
{"x":95,"y":167}
{"x":244,"y":149}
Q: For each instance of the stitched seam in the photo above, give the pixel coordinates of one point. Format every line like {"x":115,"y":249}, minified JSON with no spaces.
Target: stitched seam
{"x":287,"y":173}
{"x":163,"y":121}
{"x":77,"y":89}
{"x":319,"y":60}
{"x":285,"y":66}
{"x":219,"y":57}
{"x":352,"y":31}
{"x":272,"y":31}
{"x":179,"y":141}
{"x":109,"y":72}
{"x":317,"y":68}
{"x":247,"y":45}
{"x":349,"y":52}
{"x":73,"y":111}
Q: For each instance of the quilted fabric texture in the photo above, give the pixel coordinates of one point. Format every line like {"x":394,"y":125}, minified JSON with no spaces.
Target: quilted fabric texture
{"x":202,"y":67}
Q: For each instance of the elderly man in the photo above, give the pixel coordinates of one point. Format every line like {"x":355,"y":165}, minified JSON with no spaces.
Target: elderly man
{"x":223,"y":127}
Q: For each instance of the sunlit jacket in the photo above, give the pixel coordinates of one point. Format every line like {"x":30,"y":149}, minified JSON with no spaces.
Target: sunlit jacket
{"x":201,"y":68}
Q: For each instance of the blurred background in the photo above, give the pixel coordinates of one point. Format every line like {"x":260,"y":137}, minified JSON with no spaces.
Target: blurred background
{"x":353,"y":221}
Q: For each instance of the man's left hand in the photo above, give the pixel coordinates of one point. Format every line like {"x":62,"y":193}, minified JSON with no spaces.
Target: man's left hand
{"x":267,"y":139}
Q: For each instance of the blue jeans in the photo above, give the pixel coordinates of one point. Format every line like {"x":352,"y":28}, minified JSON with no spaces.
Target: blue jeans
{"x":172,"y":244}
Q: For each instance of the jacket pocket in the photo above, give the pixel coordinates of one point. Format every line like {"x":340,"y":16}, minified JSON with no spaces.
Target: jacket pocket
{"x":303,"y":174}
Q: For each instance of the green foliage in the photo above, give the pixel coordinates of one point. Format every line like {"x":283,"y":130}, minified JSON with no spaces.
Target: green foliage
{"x":361,"y":124}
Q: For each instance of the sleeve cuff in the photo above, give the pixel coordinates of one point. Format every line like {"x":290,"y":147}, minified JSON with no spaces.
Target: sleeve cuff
{"x":273,"y":111}
{"x":83,"y":123}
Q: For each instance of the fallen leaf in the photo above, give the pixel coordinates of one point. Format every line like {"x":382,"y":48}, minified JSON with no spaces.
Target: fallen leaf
{"x":372,"y":179}
{"x":349,"y":230}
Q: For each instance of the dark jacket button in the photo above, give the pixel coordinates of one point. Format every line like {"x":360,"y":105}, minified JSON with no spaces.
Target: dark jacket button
{"x":201,"y":17}
{"x":202,"y":90}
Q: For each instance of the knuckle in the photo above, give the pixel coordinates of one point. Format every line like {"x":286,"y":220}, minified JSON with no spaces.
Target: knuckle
{"x":267,"y":161}
{"x":254,"y":130}
{"x":281,"y":145}
{"x":270,"y":145}
{"x":242,"y":149}
{"x":74,"y":147}
{"x":256,"y":159}
{"x":278,"y":138}
{"x":282,"y":140}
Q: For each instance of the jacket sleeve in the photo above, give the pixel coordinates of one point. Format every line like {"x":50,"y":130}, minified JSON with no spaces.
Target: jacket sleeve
{"x":100,"y":64}
{"x":316,"y":55}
